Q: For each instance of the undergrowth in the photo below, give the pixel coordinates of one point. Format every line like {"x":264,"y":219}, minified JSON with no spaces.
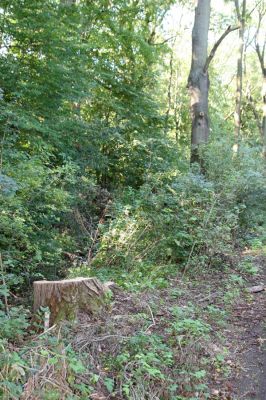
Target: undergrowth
{"x":169,"y":246}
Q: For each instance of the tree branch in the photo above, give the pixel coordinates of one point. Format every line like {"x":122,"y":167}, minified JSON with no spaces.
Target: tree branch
{"x":260,"y":50}
{"x":217,"y":44}
{"x":164,"y":41}
{"x":254,"y":8}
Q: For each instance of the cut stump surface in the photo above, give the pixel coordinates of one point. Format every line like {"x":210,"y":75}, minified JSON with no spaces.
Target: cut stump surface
{"x":65,"y":298}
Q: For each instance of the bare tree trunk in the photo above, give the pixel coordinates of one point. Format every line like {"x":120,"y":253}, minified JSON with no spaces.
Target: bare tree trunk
{"x":198,"y":80}
{"x":241,"y":15}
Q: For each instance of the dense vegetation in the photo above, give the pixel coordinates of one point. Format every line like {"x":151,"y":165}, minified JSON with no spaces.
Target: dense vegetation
{"x":96,"y":179}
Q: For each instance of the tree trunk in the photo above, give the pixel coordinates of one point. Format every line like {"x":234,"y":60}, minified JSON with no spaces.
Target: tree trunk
{"x":169,"y":94}
{"x":198,"y":81}
{"x":65,"y":298}
{"x":241,"y":15}
{"x":260,"y":50}
{"x":264,"y":113}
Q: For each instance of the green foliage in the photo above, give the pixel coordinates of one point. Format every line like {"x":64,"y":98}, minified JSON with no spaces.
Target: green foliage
{"x":30,"y":220}
{"x":12,"y":372}
{"x":14,"y":324}
{"x":95,"y":180}
{"x":77,"y":110}
{"x":170,"y":220}
{"x":241,"y":177}
{"x":157,"y":363}
{"x":40,"y":355}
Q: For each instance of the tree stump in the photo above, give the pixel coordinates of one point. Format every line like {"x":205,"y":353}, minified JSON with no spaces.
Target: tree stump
{"x":65,"y":298}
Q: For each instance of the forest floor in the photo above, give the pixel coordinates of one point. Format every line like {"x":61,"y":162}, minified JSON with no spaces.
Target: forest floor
{"x":200,"y":336}
{"x":213,"y":326}
{"x":248,"y":337}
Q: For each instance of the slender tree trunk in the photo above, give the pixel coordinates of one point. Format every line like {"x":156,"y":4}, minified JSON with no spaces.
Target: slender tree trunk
{"x":198,"y":81}
{"x":241,"y":15}
{"x":169,"y":93}
{"x":260,"y":50}
{"x":264,"y":114}
{"x":176,"y":114}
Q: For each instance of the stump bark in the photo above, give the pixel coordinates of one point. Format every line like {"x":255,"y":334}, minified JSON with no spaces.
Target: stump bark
{"x":65,"y":298}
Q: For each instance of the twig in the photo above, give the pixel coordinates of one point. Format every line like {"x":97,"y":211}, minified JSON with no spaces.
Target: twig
{"x":164,"y":41}
{"x":46,"y":331}
{"x":229,"y":115}
{"x":100,"y":339}
{"x":210,"y":296}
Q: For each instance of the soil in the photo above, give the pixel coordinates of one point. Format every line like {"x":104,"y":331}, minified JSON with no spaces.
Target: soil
{"x":249,"y":326}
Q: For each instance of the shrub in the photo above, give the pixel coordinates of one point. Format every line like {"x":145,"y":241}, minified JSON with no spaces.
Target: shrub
{"x":172,"y":219}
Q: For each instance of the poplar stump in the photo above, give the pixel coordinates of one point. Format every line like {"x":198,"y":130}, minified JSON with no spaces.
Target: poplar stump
{"x":65,"y":298}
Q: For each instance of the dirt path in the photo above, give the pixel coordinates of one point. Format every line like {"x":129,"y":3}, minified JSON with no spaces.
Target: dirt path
{"x":249,"y":323}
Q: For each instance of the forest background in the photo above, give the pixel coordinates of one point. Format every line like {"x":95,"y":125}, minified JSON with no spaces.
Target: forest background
{"x":96,"y":176}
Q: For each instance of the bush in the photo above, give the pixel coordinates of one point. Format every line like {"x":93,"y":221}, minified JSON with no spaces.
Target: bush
{"x":241,"y":177}
{"x":171,"y":219}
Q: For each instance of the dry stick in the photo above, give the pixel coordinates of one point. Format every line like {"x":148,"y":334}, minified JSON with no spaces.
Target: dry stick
{"x":103,"y":338}
{"x":46,"y":331}
{"x":153,"y":320}
{"x":229,"y":115}
{"x":100,"y":339}
{"x":210,"y":296}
